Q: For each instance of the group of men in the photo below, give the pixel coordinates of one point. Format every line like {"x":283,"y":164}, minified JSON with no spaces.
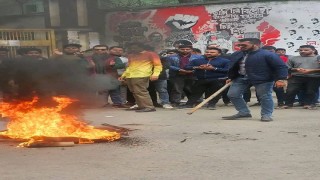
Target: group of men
{"x":195,"y":75}
{"x":183,"y":72}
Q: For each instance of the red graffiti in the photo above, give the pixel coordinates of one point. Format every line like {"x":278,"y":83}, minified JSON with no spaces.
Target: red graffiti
{"x":270,"y":35}
{"x":117,"y":18}
{"x":162,"y":15}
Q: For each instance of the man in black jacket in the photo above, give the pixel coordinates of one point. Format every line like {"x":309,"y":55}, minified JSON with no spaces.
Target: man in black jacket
{"x":257,"y":67}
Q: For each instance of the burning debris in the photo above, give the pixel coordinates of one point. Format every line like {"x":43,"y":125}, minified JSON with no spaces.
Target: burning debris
{"x":48,"y":126}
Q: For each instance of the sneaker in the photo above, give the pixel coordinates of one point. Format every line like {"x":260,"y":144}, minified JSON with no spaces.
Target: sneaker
{"x":133,"y":108}
{"x":167,"y":106}
{"x":266,"y":119}
{"x":236,"y":116}
{"x":146,"y":110}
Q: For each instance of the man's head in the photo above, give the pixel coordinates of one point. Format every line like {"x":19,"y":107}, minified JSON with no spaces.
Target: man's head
{"x":116,"y":51}
{"x":249,"y":44}
{"x":4,"y":53}
{"x":307,"y":50}
{"x":33,"y":52}
{"x":196,"y":51}
{"x":171,"y":52}
{"x":212,"y":52}
{"x":281,"y":51}
{"x":176,"y":44}
{"x":100,"y":49}
{"x":71,"y":49}
{"x":185,"y":50}
{"x":136,"y":47}
{"x":269,"y":48}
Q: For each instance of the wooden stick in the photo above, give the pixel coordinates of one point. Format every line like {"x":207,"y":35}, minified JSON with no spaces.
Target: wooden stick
{"x":39,"y":144}
{"x":209,"y":98}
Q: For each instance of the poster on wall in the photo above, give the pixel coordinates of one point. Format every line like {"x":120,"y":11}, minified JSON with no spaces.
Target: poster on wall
{"x":287,"y":24}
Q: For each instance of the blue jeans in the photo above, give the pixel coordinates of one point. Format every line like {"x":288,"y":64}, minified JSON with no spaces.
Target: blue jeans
{"x":161,"y":88}
{"x":264,"y":93}
{"x":115,"y":96}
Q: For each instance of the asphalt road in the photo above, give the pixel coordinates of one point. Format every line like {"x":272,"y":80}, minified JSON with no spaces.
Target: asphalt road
{"x":169,"y":144}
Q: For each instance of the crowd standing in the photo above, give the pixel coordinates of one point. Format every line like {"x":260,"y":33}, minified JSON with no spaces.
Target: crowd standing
{"x":146,"y":79}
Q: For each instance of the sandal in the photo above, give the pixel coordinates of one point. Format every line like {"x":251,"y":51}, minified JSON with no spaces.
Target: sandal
{"x":309,"y":107}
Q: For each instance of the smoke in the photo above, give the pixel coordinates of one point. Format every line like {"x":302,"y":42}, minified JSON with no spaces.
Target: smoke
{"x":23,"y":78}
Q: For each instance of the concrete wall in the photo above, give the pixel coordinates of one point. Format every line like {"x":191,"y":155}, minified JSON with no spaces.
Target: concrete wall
{"x":286,"y":24}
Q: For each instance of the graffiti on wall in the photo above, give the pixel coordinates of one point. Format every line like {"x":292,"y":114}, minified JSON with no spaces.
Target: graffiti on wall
{"x":283,"y":25}
{"x":234,"y":20}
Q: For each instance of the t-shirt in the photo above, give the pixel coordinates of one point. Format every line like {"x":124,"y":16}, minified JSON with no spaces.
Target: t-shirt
{"x":306,"y":63}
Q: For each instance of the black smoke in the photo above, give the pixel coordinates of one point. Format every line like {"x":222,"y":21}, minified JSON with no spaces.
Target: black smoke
{"x":24,"y":78}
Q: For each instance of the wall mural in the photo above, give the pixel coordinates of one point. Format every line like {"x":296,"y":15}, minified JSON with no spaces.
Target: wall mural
{"x":281,"y":24}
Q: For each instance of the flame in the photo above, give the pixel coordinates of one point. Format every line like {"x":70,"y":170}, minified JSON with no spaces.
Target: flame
{"x":28,"y":122}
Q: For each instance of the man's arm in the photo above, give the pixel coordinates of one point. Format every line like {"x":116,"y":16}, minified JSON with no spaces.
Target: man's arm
{"x":278,"y":66}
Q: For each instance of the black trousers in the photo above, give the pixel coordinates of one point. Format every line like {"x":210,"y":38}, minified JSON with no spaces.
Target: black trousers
{"x":207,"y":86}
{"x":308,"y":84}
{"x":180,"y":85}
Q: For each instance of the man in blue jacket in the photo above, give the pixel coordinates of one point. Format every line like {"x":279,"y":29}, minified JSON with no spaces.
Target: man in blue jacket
{"x":260,"y":68}
{"x":211,"y":72}
{"x":181,"y":79}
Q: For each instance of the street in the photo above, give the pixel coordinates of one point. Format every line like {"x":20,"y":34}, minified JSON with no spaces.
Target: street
{"x":169,"y":144}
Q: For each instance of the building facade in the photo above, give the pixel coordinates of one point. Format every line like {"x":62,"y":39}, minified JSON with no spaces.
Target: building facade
{"x":283,"y":24}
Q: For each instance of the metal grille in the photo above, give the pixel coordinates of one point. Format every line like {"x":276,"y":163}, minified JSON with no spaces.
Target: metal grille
{"x":43,"y":39}
{"x":121,"y":4}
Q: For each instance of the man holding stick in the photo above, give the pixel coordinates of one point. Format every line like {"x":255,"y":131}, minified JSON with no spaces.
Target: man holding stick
{"x":260,"y":68}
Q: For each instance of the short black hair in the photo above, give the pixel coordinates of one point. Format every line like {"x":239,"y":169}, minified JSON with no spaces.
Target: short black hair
{"x":281,"y":49}
{"x":269,"y":48}
{"x":172,"y":50}
{"x":196,"y":50}
{"x":182,"y":42}
{"x":308,"y":46}
{"x":251,"y":40}
{"x":72,"y":45}
{"x":185,"y":46}
{"x":217,"y":49}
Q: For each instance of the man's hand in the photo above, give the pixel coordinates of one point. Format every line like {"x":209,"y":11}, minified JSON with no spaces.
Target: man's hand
{"x":281,"y":83}
{"x":57,"y":52}
{"x":121,"y":79}
{"x":112,"y":63}
{"x":306,"y":71}
{"x":154,"y":78}
{"x":228,"y":81}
